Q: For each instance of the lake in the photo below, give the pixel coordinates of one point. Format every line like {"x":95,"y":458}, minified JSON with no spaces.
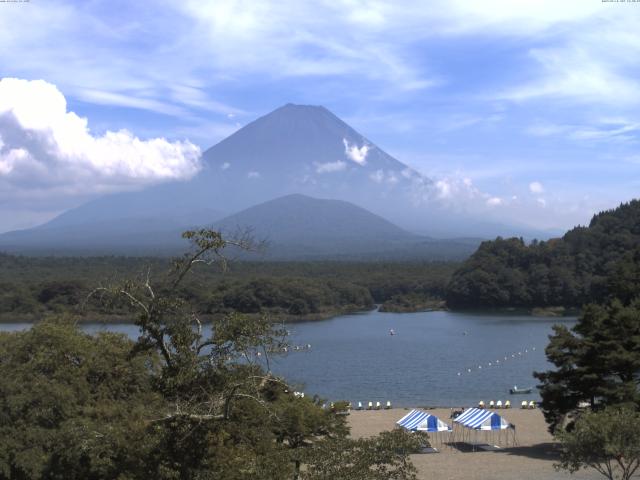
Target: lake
{"x":434,"y":358}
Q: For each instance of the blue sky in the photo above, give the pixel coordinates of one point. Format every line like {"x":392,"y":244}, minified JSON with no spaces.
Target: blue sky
{"x":533,"y":103}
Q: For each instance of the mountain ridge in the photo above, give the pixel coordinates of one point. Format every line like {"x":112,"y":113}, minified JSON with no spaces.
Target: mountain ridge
{"x":587,"y":264}
{"x":295,"y":149}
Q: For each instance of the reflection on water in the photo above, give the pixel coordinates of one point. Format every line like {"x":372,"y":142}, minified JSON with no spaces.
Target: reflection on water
{"x":354,"y":357}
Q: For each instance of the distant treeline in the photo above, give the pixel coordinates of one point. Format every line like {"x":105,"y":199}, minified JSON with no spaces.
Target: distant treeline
{"x":31,"y":287}
{"x":588,"y":264}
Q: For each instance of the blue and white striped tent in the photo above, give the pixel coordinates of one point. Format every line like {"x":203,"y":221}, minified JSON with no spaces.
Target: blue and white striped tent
{"x":418,"y":420}
{"x":480,"y":419}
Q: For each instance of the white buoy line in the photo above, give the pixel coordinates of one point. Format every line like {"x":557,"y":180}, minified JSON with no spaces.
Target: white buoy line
{"x":498,"y":362}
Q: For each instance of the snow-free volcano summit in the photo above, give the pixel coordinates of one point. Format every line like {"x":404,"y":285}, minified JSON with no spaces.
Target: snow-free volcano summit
{"x":296,"y":149}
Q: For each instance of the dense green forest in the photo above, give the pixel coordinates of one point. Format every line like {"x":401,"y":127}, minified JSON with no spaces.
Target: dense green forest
{"x":178,"y":403}
{"x":31,"y":287}
{"x":588,"y":264}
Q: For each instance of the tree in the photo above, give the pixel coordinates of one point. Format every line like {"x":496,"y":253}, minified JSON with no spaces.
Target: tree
{"x":192,"y":398}
{"x":607,"y":441}
{"x":218,"y":417}
{"x":597,"y":361}
{"x":226,"y":415}
{"x":588,"y":264}
{"x":74,"y":406}
{"x":384,"y":457}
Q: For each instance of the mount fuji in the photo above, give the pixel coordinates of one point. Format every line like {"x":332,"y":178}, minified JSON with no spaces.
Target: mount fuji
{"x":296,"y":149}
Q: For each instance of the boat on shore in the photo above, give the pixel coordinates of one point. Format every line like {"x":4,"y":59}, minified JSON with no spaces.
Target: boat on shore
{"x":515,"y":390}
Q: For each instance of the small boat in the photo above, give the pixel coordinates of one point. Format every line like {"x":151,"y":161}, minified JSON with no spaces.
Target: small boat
{"x":515,"y":390}
{"x":392,"y":332}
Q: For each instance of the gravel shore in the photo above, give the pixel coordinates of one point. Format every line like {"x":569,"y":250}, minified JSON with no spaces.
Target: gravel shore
{"x":531,"y":459}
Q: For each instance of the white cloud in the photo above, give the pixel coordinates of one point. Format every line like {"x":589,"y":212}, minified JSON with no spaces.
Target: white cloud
{"x":198,"y":98}
{"x":213,"y":42}
{"x":44,"y":146}
{"x":542,"y":202}
{"x":330,"y":167}
{"x":407,"y":173}
{"x":102,"y":97}
{"x":458,"y":193}
{"x":614,"y":129}
{"x":545,"y":129}
{"x":377,"y":176}
{"x":573,"y":72}
{"x":253,"y":174}
{"x":217,"y":42}
{"x":390,"y":177}
{"x":582,"y":56}
{"x":355,"y":154}
{"x":591,"y":61}
{"x":536,"y":187}
{"x":444,"y":189}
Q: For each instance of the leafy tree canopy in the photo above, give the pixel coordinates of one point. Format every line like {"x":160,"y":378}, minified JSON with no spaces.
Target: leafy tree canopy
{"x":597,"y":361}
{"x":187,"y":400}
{"x":607,"y":441}
{"x":588,"y":264}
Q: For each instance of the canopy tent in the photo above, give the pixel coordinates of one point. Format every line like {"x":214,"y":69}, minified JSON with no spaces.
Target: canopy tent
{"x":477,"y":420}
{"x":480,"y":419}
{"x":418,"y":420}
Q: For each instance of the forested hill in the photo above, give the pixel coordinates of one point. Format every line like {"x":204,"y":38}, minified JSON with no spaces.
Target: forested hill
{"x":588,"y":264}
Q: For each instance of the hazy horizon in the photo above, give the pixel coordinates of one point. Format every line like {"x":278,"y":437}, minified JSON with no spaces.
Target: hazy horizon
{"x":519,"y":113}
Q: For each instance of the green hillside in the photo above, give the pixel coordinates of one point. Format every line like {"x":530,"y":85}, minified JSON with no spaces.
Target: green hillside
{"x":588,"y":264}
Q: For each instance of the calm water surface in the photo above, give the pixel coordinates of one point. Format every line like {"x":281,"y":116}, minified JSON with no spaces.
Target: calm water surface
{"x":354,"y":357}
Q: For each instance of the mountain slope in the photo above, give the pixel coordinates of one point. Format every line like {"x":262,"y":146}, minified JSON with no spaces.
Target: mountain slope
{"x":296,"y":225}
{"x":308,"y":150}
{"x":294,"y":149}
{"x":121,"y":236}
{"x":304,"y":228}
{"x":588,"y":264}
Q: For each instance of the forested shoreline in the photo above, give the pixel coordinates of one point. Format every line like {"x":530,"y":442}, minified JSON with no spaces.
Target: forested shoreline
{"x":179,"y":402}
{"x":587,"y":265}
{"x":193,"y":405}
{"x":34,"y":287}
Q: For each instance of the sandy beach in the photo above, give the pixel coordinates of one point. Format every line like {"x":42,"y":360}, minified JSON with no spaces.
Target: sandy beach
{"x":531,"y":459}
